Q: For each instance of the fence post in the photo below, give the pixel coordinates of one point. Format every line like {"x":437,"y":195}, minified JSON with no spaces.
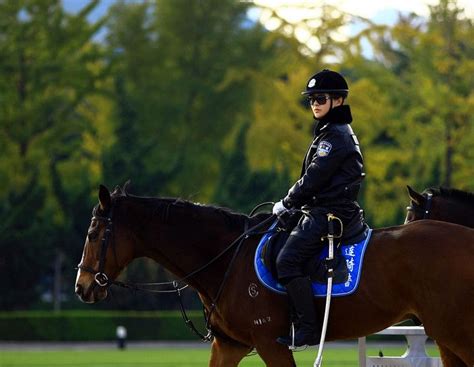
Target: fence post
{"x":362,"y":352}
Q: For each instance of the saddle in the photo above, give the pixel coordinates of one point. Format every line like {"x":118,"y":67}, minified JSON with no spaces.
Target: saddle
{"x":317,"y":267}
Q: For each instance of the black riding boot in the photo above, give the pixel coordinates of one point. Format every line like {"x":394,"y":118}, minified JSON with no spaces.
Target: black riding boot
{"x":301,"y":296}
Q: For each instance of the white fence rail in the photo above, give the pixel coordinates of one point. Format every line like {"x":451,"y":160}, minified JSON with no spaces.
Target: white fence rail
{"x":415,"y":355}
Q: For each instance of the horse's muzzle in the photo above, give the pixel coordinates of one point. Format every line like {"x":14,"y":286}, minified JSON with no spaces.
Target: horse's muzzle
{"x":90,"y":294}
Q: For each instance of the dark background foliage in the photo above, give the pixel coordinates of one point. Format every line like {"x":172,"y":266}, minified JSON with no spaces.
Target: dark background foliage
{"x":196,"y":100}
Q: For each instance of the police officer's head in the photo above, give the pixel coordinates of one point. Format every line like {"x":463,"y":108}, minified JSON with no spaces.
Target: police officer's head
{"x":327,"y":85}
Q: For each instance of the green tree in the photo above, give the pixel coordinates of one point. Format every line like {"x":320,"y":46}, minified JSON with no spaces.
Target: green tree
{"x":242,"y":188}
{"x":415,"y":99}
{"x":282,"y":124}
{"x":50,"y":71}
{"x":179,"y":91}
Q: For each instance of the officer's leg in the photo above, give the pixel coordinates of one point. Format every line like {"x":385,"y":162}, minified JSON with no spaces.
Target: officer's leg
{"x":302,"y":245}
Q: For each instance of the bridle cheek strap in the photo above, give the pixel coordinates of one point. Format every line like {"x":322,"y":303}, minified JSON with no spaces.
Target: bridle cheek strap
{"x":100,"y":277}
{"x":429,"y":200}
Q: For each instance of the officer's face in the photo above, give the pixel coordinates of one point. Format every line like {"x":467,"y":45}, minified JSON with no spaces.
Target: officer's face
{"x":321,"y":104}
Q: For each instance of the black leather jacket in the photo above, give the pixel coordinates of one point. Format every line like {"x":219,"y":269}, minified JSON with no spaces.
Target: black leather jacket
{"x":333,"y":167}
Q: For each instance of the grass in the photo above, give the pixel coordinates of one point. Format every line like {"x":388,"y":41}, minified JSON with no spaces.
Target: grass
{"x":168,"y":357}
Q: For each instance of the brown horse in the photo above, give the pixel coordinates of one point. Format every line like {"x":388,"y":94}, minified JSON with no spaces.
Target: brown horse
{"x":422,"y":268}
{"x":444,"y":204}
{"x":439,"y":203}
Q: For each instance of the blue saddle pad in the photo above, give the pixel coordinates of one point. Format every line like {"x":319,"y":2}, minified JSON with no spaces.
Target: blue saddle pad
{"x":353,"y":254}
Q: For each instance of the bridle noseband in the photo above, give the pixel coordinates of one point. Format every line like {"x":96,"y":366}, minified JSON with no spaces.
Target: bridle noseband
{"x":427,"y":208}
{"x":100,"y":277}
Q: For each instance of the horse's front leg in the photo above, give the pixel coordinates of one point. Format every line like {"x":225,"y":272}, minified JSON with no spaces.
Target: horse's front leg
{"x":227,"y":354}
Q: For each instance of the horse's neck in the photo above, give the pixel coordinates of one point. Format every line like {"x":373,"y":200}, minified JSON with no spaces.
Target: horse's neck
{"x":186,"y":239}
{"x":456,"y":212}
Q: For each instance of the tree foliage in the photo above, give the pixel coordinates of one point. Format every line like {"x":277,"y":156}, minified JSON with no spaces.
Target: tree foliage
{"x":196,"y":99}
{"x":50,"y":80}
{"x":416,"y":99}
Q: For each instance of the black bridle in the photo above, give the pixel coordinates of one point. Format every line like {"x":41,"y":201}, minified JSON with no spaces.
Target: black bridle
{"x":427,"y":207}
{"x":102,"y":280}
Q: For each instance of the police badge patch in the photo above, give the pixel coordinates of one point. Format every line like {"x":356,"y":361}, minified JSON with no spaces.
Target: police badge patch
{"x":324,"y":148}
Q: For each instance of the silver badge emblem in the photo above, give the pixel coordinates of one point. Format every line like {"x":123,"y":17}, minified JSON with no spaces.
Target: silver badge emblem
{"x":324,"y":148}
{"x":312,"y":83}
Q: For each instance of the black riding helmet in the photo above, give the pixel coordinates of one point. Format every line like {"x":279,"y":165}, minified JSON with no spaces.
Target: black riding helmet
{"x":327,"y":81}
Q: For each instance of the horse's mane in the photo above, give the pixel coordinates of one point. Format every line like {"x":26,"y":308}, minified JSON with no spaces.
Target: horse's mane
{"x":447,"y":192}
{"x":231,"y":218}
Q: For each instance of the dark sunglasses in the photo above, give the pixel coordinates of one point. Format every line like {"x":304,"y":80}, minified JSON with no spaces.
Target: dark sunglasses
{"x":318,"y":98}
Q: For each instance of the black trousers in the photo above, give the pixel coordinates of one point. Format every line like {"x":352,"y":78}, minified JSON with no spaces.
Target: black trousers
{"x":304,"y":241}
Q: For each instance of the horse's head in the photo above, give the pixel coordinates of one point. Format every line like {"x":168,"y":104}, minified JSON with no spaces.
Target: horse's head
{"x":106,"y":250}
{"x":421,"y":205}
{"x":443,"y":204}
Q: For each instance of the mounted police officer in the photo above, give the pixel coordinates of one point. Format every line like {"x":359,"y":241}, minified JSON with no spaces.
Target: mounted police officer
{"x":329,"y":183}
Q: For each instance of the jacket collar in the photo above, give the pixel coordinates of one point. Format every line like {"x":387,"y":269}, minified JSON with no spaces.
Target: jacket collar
{"x":338,"y":115}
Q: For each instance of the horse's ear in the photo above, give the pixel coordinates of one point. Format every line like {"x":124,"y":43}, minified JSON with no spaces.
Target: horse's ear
{"x":104,"y":198}
{"x":415,"y":196}
{"x":126,"y":186}
{"x":117,"y":191}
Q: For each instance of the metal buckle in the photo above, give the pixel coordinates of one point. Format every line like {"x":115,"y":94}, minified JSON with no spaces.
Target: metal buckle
{"x":101,"y":279}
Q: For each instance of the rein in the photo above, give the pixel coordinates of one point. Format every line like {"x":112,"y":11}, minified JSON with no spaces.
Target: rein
{"x":102,"y":280}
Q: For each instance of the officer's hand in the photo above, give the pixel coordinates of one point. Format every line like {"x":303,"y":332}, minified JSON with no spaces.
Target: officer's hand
{"x":279,"y":208}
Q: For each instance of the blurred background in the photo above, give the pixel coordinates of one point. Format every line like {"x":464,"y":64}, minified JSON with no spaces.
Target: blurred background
{"x":201,"y":100}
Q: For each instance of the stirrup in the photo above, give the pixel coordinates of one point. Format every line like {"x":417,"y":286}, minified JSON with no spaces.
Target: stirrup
{"x":293,"y":347}
{"x":292,"y":334}
{"x":289,"y":340}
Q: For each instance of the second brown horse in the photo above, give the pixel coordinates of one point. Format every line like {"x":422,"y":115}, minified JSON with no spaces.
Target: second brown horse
{"x":440,"y":203}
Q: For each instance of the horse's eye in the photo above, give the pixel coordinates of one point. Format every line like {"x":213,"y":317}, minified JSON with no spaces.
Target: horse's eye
{"x":92,"y":235}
